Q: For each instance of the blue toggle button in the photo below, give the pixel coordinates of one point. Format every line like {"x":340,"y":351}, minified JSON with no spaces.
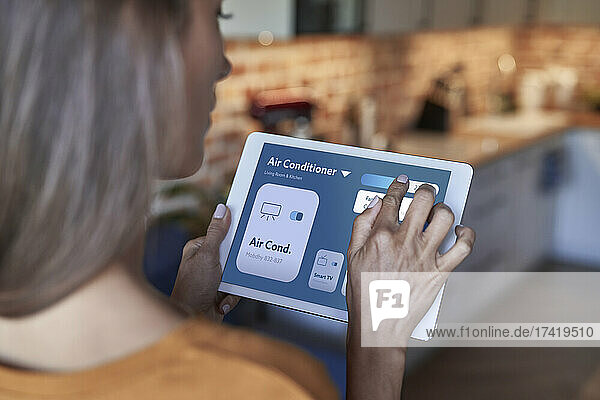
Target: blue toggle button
{"x":296,"y":216}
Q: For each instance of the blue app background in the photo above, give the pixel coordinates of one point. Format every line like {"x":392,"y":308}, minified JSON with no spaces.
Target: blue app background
{"x":334,"y":218}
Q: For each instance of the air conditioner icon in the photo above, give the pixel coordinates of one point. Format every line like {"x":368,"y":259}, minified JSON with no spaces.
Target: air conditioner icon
{"x":270,"y":210}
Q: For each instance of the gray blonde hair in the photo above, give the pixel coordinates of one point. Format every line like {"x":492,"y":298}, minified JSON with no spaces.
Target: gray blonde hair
{"x":87,"y":90}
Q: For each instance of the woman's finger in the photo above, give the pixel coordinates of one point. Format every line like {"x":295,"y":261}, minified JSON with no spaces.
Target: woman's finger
{"x":440,"y":221}
{"x":459,"y":251}
{"x":419,"y":209}
{"x":228,"y":303}
{"x":363,"y":224}
{"x":390,"y":206}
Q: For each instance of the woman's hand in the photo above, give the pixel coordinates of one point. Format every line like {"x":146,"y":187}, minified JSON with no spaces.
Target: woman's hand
{"x":199,"y":273}
{"x":380,"y":244}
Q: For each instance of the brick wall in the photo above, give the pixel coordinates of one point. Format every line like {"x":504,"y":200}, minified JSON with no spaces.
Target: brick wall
{"x":395,"y":70}
{"x":572,"y":46}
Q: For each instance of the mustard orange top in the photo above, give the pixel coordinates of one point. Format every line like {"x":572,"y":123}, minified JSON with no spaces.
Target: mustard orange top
{"x":199,"y":360}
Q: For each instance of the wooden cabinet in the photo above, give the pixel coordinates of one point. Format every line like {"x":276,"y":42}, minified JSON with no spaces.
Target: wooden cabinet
{"x":511,"y":209}
{"x":534,"y":203}
{"x":576,"y":239}
{"x":452,"y":14}
{"x":280,"y":17}
{"x":252,"y":17}
{"x":393,"y":16}
{"x":488,"y":212}
{"x":505,"y":12}
{"x":569,"y":12}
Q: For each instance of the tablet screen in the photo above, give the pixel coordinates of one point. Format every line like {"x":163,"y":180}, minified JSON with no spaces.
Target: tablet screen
{"x":297,"y":219}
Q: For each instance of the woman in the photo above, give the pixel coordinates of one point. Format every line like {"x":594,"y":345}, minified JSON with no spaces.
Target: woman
{"x":97,"y":98}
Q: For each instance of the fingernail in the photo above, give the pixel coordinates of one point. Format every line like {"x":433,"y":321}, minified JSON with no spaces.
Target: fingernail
{"x":373,"y":202}
{"x":402,"y":178}
{"x":220,"y":211}
{"x":225,"y":309}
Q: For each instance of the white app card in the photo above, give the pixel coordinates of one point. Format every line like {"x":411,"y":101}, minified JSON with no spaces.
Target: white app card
{"x":277,"y":232}
{"x":326,"y":270}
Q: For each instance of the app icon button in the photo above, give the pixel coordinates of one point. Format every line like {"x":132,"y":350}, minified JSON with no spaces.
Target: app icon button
{"x":326,"y":270}
{"x":274,"y":249}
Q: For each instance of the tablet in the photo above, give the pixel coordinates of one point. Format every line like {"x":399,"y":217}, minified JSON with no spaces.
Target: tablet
{"x":293,"y":202}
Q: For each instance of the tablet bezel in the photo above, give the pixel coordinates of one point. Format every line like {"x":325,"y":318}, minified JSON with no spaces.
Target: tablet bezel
{"x":456,"y":197}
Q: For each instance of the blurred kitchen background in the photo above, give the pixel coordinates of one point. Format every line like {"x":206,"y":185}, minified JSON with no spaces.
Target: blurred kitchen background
{"x":511,"y":87}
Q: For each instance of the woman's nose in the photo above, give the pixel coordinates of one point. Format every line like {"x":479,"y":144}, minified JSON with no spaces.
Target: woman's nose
{"x":226,"y":69}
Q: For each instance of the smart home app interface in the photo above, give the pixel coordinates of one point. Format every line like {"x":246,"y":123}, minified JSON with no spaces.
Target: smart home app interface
{"x":297,"y":219}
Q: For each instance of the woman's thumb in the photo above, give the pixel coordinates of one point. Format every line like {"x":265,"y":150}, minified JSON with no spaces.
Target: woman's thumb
{"x":219,"y":225}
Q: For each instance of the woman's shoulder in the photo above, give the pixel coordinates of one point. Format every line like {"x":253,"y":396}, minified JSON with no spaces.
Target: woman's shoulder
{"x":199,"y":359}
{"x":273,"y":358}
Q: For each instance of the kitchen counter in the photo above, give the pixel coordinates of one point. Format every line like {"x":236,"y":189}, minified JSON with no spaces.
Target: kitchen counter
{"x":480,"y":140}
